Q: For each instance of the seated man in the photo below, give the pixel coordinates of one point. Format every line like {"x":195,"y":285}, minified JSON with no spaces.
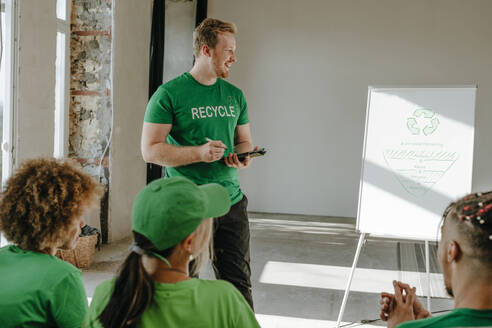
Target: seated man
{"x":41,"y":211}
{"x":465,"y":256}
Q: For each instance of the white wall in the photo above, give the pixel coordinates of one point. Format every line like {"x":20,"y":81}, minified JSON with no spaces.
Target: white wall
{"x":34,"y":117}
{"x":131,"y":44}
{"x":305,"y":66}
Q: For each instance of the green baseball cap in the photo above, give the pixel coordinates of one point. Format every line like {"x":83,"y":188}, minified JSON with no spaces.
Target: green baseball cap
{"x":168,"y":210}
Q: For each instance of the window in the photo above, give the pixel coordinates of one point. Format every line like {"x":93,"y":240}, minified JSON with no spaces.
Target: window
{"x":2,"y":71}
{"x":62,"y":84}
{"x":7,"y":86}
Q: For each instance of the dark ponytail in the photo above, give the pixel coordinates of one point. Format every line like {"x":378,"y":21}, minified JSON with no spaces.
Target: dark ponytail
{"x":133,"y":290}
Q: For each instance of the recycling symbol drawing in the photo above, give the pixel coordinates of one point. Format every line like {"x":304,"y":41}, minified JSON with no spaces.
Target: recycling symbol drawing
{"x":419,"y":166}
{"x":422,"y":117}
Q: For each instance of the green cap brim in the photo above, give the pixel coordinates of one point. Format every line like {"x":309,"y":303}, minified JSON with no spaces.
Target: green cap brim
{"x":218,"y":199}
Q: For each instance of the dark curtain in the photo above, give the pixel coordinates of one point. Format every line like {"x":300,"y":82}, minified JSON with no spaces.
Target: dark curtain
{"x":155,"y":171}
{"x":201,"y":11}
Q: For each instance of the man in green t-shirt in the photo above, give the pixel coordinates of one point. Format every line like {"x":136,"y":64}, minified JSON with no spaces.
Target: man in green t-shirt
{"x":465,"y":256}
{"x":195,"y":125}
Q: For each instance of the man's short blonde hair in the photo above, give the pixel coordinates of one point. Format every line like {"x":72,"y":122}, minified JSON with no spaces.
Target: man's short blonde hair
{"x":207,"y":33}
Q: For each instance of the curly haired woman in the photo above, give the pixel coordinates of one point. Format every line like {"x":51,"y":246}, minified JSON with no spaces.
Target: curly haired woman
{"x":41,"y":211}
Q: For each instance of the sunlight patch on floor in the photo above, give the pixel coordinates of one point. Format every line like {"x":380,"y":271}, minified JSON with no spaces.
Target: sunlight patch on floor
{"x":336,"y":277}
{"x":275,"y":321}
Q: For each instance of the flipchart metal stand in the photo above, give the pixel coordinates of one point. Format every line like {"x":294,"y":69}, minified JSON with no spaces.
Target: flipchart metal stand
{"x":362,"y":241}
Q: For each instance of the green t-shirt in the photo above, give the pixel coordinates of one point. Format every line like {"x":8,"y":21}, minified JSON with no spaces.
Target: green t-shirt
{"x":190,"y":303}
{"x":197,"y":112}
{"x":39,"y":290}
{"x":455,"y":318}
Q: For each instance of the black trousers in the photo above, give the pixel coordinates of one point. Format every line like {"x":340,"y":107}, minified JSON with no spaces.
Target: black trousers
{"x":231,"y":261}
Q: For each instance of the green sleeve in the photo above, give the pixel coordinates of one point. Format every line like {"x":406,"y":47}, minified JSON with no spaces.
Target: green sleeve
{"x":415,"y":323}
{"x":159,"y":109}
{"x":99,"y":301}
{"x":244,"y":316}
{"x":243,"y":116}
{"x":69,"y":302}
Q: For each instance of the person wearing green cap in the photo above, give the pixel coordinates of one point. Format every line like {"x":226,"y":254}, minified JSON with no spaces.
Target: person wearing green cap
{"x":194,"y":126}
{"x":171,"y":225}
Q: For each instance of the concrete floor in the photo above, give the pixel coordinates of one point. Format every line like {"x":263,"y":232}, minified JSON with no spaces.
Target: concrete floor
{"x":300,"y":265}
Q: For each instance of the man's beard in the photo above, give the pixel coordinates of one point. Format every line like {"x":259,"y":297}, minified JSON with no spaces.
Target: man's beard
{"x":220,"y":72}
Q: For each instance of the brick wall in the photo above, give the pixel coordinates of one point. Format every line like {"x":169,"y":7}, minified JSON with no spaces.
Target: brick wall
{"x":90,"y":91}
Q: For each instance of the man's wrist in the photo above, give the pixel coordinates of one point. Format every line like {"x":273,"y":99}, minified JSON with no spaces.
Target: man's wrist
{"x":243,"y":147}
{"x":196,"y":155}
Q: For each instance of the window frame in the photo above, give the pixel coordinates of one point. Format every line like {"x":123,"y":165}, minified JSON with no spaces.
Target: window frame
{"x":10,"y":54}
{"x":62,"y":84}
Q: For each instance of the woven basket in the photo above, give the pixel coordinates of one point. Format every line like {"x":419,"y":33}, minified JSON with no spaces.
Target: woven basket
{"x":83,"y":253}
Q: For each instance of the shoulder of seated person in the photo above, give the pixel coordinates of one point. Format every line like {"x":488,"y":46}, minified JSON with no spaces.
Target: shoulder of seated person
{"x":219,"y":286}
{"x":218,"y":282}
{"x":106,"y":285}
{"x":103,"y":292}
{"x":65,"y":266}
